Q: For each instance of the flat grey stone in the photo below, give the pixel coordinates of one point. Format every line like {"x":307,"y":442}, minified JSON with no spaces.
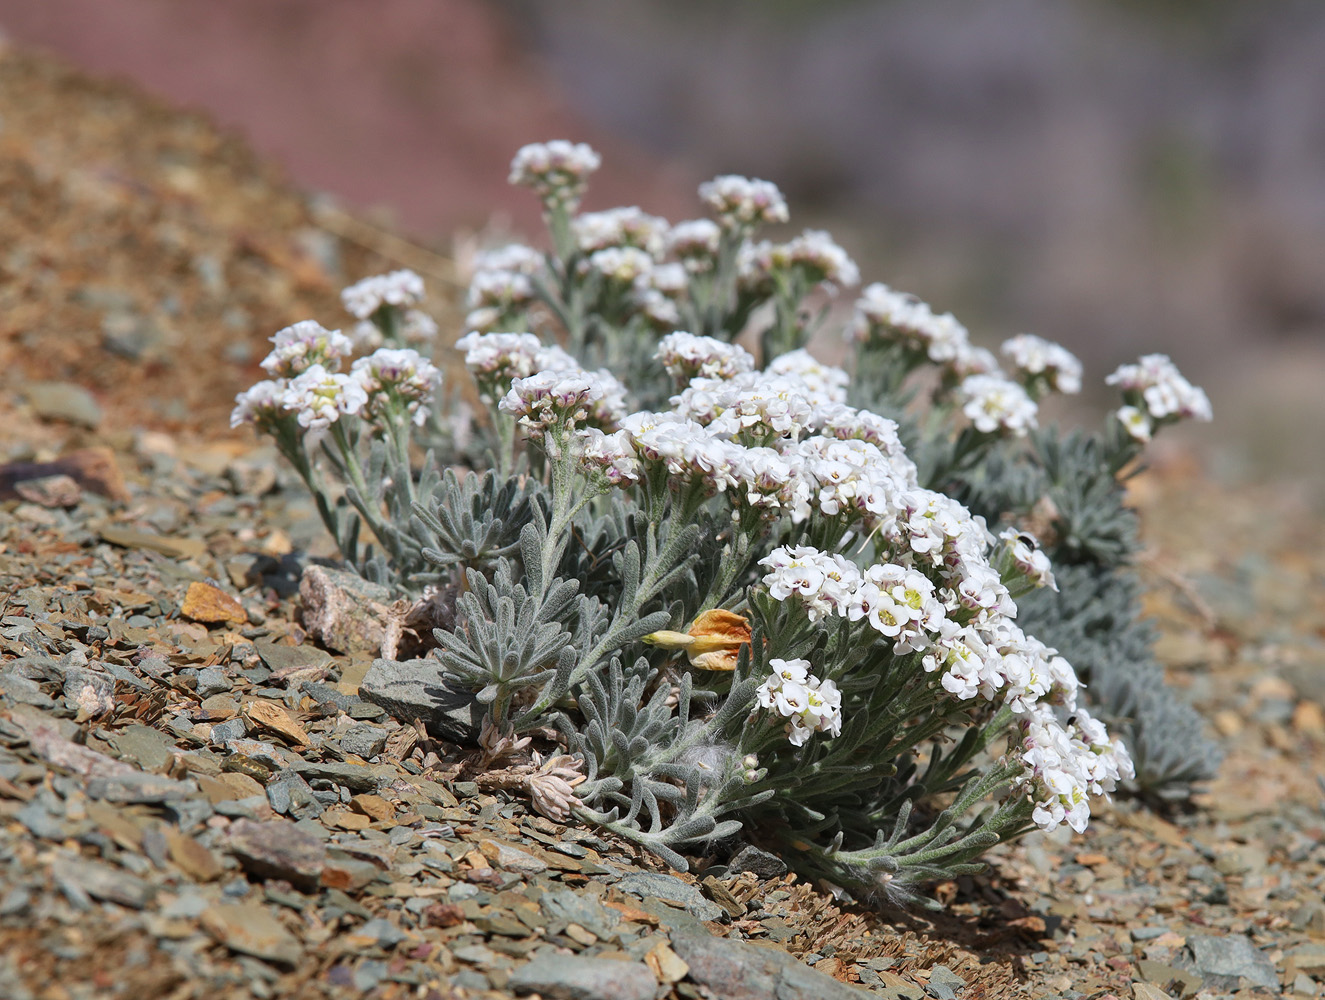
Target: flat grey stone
{"x":225,"y":732}
{"x":654,"y":885}
{"x":569,"y":977}
{"x":416,"y":689}
{"x":103,"y":881}
{"x":41,"y":822}
{"x":757,"y":862}
{"x":735,"y":970}
{"x":290,"y":795}
{"x":363,"y":740}
{"x":21,"y":690}
{"x":280,"y":657}
{"x":1221,"y":961}
{"x":277,"y":849}
{"x":63,"y":401}
{"x":149,"y":748}
{"x":325,"y":694}
{"x":576,"y":908}
{"x":355,"y":777}
{"x":383,"y":931}
{"x":944,"y":984}
{"x":212,"y":680}
{"x":139,"y":787}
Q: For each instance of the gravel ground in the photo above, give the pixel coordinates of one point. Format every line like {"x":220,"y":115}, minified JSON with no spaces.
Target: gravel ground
{"x":198,"y":799}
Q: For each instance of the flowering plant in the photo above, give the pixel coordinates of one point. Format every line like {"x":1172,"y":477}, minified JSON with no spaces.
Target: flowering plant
{"x":759,"y":596}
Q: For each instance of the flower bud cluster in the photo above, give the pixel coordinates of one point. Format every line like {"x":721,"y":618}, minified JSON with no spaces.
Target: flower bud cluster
{"x":686,"y":356}
{"x":809,"y":704}
{"x":742,"y":203}
{"x":889,"y":316}
{"x":694,"y":243}
{"x":557,"y":171}
{"x":563,"y":400}
{"x":1042,"y":363}
{"x":397,"y":376}
{"x":814,"y":254}
{"x":303,"y":345}
{"x":496,"y":359}
{"x":502,"y":284}
{"x":400,"y":289}
{"x":1156,"y":394}
{"x":619,"y":227}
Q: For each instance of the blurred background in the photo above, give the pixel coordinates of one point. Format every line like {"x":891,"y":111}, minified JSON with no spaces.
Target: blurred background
{"x":1122,"y":176}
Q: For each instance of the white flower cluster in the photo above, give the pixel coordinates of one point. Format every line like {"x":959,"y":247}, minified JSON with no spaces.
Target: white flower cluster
{"x":940,"y":596}
{"x":1023,"y":555}
{"x":1040,"y":361}
{"x":319,"y":398}
{"x":823,"y":582}
{"x":1068,"y":763}
{"x":744,"y":202}
{"x":694,"y":243}
{"x":846,"y":423}
{"x":318,"y":395}
{"x":888,"y":315}
{"x":610,"y":454}
{"x":303,"y":345}
{"x":502,"y":284}
{"x":1156,"y":394}
{"x":397,"y":375}
{"x":809,"y":704}
{"x":401,"y":289}
{"x":619,"y":227}
{"x":496,"y":359}
{"x":564,"y":399}
{"x":827,"y":384}
{"x":624,"y":265}
{"x":814,"y":253}
{"x":557,"y":171}
{"x":996,"y":405}
{"x":686,"y":356}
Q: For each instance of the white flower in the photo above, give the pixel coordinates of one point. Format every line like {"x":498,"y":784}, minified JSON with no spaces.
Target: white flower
{"x":1066,"y":763}
{"x":1136,"y":422}
{"x":319,"y":397}
{"x":303,"y":345}
{"x":686,"y":356}
{"x":259,"y":404}
{"x":557,"y":171}
{"x":1155,"y":386}
{"x":994,"y":404}
{"x":399,"y":288}
{"x":743,"y":202}
{"x":824,"y":383}
{"x":1037,"y":359}
{"x":619,"y":227}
